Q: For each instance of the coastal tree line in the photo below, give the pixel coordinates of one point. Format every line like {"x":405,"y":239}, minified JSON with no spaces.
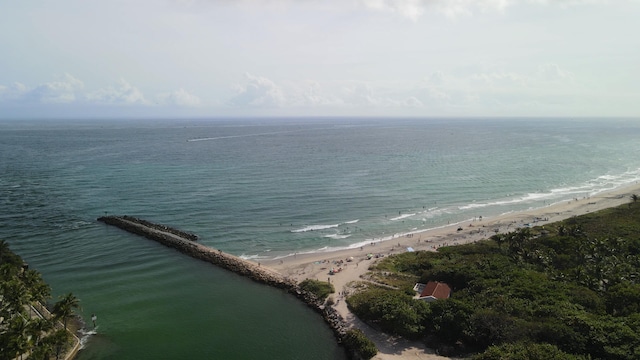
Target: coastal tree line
{"x":23,"y":331}
{"x":569,"y":290}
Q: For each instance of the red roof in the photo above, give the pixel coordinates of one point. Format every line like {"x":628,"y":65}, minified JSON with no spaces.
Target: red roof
{"x":436,"y":289}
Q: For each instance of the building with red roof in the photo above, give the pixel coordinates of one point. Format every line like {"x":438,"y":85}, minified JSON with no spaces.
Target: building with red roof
{"x":431,"y":291}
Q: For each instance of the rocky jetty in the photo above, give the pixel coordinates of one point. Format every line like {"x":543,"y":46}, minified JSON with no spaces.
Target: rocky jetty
{"x":160,"y":227}
{"x":185,"y":243}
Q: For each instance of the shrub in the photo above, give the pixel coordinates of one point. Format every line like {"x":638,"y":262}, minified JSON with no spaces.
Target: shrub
{"x":356,"y":341}
{"x":393,"y":311}
{"x":330,"y":301}
{"x":321,"y":289}
{"x":523,"y":351}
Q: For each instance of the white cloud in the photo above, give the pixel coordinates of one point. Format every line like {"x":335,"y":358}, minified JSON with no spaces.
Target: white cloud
{"x":566,"y":3}
{"x":258,"y":92}
{"x":311,"y":93}
{"x":435,"y":89}
{"x":12,"y":92}
{"x":67,"y":89}
{"x":436,"y":79}
{"x":263,"y":92}
{"x":553,"y":73}
{"x":437,"y":95}
{"x":500,"y":79}
{"x":413,"y":9}
{"x":63,"y":90}
{"x":545,"y":87}
{"x":179,"y":97}
{"x":547,"y":76}
{"x":412,"y":102}
{"x":123,"y":94}
{"x":365,"y":96}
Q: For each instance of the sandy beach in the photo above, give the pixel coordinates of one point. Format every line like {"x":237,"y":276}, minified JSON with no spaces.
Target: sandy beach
{"x":318,"y":265}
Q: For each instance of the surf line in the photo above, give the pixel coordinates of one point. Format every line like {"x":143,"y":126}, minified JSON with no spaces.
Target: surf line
{"x":186,"y":244}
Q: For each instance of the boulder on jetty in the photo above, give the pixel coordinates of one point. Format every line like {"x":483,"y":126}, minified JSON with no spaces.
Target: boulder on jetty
{"x":114,"y":220}
{"x":185,"y":243}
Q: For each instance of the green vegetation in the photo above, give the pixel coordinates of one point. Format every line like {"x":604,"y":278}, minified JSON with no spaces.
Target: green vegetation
{"x":22,"y":331}
{"x":63,"y":309}
{"x":522,"y":351}
{"x":358,"y":342}
{"x":321,"y":289}
{"x":569,"y":290}
{"x":393,"y":311}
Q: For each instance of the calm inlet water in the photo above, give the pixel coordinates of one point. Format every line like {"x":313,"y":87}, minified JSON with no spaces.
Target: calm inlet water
{"x":265,"y":189}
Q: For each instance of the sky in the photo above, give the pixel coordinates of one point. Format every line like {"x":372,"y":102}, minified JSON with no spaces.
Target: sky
{"x":273,"y":58}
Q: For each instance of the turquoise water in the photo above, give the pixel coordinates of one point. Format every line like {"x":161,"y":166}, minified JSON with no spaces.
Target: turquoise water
{"x":264,"y":188}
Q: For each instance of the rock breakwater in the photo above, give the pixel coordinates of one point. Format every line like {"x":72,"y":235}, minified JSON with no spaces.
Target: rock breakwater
{"x":185,"y":243}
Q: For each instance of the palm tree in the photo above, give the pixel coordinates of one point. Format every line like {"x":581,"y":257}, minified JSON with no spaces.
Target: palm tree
{"x":518,"y":240}
{"x":39,"y":291}
{"x":6,"y":256}
{"x":20,"y":337}
{"x":58,"y":340}
{"x":562,"y":230}
{"x":4,"y":249}
{"x":37,"y":328}
{"x":64,"y":308}
{"x":15,"y":295}
{"x":499,"y":239}
{"x":8,"y":272}
{"x":30,"y":278}
{"x":42,"y":351}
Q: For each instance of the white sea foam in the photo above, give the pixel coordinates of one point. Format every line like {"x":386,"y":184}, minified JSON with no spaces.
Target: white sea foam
{"x":315,"y":227}
{"x":250,"y":257}
{"x":553,"y":194}
{"x":403,"y":216}
{"x":589,"y":188}
{"x":85,"y":334}
{"x":432,"y":213}
{"x":323,"y":227}
{"x":337,"y":236}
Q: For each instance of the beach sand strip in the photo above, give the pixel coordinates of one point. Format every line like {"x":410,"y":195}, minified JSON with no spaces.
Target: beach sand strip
{"x":299,"y":267}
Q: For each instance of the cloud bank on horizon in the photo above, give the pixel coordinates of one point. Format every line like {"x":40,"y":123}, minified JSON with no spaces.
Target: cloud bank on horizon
{"x":220,"y":58}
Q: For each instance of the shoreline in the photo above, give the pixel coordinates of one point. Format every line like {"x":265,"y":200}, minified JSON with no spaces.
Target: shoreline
{"x":470,"y":228}
{"x":317,"y":265}
{"x":271,"y":255}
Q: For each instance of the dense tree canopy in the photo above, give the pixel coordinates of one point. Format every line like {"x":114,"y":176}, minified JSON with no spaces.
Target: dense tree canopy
{"x":21,"y":330}
{"x":570,"y":290}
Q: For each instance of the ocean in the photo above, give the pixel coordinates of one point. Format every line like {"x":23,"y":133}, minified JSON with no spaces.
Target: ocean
{"x":262,"y":189}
